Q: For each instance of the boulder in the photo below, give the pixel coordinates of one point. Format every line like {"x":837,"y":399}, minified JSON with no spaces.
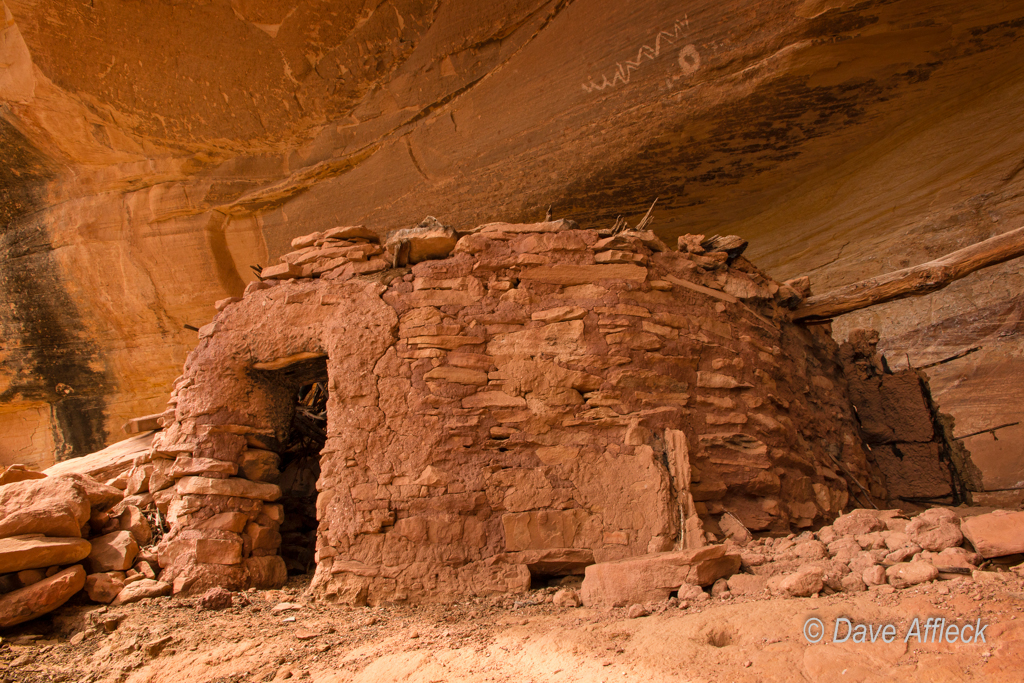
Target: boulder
{"x":637,"y":611}
{"x":111,"y":462}
{"x":935,"y":530}
{"x":865,"y":559}
{"x":807,"y":550}
{"x":906,"y":574}
{"x":216,"y":598}
{"x":902,"y":554}
{"x":54,"y":506}
{"x":104,"y":586}
{"x":138,"y":479}
{"x":857,"y":522}
{"x":143,"y":588}
{"x":349,"y":232}
{"x":803,"y":583}
{"x":113,"y":552}
{"x":35,"y":550}
{"x":734,"y":529}
{"x":429,"y":240}
{"x":874,"y":575}
{"x":652,"y":578}
{"x":132,"y":520}
{"x":148,"y":570}
{"x":853,"y":584}
{"x":161,"y":478}
{"x":101,"y":496}
{"x":26,"y":577}
{"x":894,"y":540}
{"x":41,"y":597}
{"x":995,"y":534}
{"x":566,"y":597}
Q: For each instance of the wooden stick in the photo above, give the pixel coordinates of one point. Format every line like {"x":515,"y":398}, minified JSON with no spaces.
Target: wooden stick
{"x":850,"y":475}
{"x":914,"y":281}
{"x":955,"y":356}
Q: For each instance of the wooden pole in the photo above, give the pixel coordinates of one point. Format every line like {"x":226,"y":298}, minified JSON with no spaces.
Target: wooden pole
{"x":914,"y":281}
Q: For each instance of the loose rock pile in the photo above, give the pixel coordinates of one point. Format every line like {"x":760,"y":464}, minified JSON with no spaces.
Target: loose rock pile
{"x":62,"y":534}
{"x":861,"y":550}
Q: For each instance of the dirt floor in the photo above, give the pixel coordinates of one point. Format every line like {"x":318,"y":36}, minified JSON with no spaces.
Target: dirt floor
{"x":525,"y":638}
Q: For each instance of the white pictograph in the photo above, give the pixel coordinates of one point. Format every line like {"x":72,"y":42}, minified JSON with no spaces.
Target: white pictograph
{"x":689,"y":58}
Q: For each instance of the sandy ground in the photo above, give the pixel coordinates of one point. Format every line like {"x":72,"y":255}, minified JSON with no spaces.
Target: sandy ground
{"x":524,"y":638}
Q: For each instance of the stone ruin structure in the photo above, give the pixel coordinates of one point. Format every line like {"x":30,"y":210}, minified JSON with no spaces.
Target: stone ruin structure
{"x":502,"y":406}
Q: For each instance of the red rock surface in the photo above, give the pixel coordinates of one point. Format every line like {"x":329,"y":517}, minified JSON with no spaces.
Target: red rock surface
{"x":996,"y":534}
{"x":842,"y":139}
{"x":54,"y":506}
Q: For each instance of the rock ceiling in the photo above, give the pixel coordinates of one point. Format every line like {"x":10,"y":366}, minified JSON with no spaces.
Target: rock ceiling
{"x":154,"y":150}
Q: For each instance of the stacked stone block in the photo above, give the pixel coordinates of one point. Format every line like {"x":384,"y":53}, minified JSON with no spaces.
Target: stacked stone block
{"x":504,"y":412}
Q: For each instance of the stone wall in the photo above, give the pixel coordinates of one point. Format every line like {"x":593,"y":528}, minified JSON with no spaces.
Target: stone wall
{"x":541,"y":399}
{"x":912,"y":443}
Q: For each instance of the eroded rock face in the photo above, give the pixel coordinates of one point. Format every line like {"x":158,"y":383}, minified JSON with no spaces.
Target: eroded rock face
{"x":800,"y":125}
{"x":506,"y":411}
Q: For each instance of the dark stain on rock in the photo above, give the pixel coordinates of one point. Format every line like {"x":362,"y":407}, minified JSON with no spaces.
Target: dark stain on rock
{"x":49,"y":358}
{"x":224,"y":262}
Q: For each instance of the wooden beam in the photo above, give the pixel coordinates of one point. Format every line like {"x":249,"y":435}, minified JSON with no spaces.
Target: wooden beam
{"x":914,"y":281}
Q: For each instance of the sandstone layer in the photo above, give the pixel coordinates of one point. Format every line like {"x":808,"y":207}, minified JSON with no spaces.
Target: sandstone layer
{"x":144,"y":176}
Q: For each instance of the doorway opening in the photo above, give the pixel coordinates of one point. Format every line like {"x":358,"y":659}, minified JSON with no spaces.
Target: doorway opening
{"x":306,"y":386}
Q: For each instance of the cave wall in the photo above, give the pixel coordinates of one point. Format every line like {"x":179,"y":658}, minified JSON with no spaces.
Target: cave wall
{"x":159,"y":149}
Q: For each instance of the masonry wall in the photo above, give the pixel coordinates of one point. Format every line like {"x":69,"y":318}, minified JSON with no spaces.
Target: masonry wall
{"x":504,"y":411}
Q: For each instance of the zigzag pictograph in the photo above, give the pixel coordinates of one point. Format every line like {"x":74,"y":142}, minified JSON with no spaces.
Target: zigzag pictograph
{"x":624,"y":71}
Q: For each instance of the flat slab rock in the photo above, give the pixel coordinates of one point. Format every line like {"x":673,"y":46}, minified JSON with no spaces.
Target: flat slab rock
{"x":239,"y":488}
{"x":651,"y":578}
{"x":144,"y":588}
{"x":995,"y":534}
{"x":40,"y":598}
{"x":34,"y":551}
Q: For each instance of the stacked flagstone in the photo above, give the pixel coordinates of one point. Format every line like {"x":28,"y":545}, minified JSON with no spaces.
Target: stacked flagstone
{"x":539,"y":399}
{"x":60,"y":534}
